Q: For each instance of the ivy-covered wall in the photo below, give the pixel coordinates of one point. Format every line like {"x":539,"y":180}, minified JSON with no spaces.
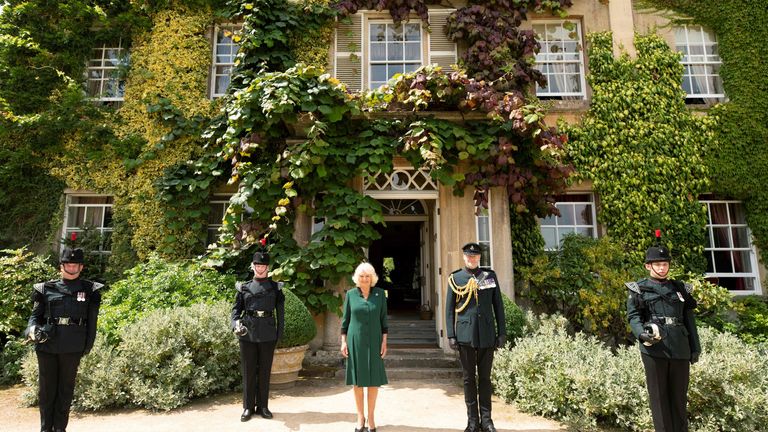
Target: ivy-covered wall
{"x":738,"y":164}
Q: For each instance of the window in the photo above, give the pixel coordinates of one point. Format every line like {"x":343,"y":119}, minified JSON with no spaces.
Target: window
{"x":701,"y":60}
{"x":90,"y":217}
{"x":484,"y":234}
{"x":318,"y":223}
{"x":560,"y":59}
{"x":392,"y":50}
{"x":219,"y":204}
{"x":225,"y":50}
{"x":731,"y":259}
{"x":104,"y":72}
{"x":577,"y":215}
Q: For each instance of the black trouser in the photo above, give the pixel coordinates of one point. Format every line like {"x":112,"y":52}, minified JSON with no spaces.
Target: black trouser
{"x":477,"y":362}
{"x":667,"y":382}
{"x":57,"y":387}
{"x":256,"y":361}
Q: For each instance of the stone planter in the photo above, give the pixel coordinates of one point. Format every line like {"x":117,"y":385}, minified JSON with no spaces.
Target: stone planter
{"x":286,"y":365}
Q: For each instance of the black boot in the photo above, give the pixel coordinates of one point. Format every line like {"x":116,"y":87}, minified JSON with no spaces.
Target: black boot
{"x":472,"y":427}
{"x":264,"y":412}
{"x":246,"y":415}
{"x":489,"y":427}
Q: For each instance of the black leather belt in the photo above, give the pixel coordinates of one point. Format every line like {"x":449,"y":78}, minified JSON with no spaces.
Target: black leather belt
{"x":258,"y":313}
{"x":666,"y":320}
{"x":67,"y":321}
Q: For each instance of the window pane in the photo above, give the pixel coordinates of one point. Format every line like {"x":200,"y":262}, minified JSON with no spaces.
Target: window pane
{"x":483,"y":231}
{"x":742,"y":262}
{"x":107,"y":217}
{"x":378,"y":32}
{"x":411,"y":67}
{"x":413,"y":32}
{"x":723,"y":262}
{"x":587,"y":232}
{"x":564,"y":232}
{"x":583,"y":214}
{"x":75,"y":217}
{"x":550,"y":238}
{"x":412,"y":51}
{"x":379,"y":72}
{"x":718,"y":213}
{"x":710,"y":261}
{"x":394,"y":34}
{"x":378,"y":51}
{"x":395,"y":51}
{"x":720,"y":237}
{"x":566,"y":214}
{"x":736,"y":211}
{"x":740,"y":237}
{"x":394,"y":69}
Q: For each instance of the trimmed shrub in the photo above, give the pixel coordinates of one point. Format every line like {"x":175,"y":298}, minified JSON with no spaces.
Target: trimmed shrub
{"x":751,"y":319}
{"x":19,"y":270}
{"x":514,"y":319}
{"x":576,"y":379}
{"x":11,"y":357}
{"x":158,"y":284}
{"x":299,"y":326}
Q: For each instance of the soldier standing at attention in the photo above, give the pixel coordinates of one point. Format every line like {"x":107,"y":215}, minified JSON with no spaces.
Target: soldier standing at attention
{"x":473,"y":301}
{"x":258,"y":318}
{"x":63,"y":327}
{"x":660,"y":313}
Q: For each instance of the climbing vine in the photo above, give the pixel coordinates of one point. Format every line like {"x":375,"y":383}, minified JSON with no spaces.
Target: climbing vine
{"x":642,"y":149}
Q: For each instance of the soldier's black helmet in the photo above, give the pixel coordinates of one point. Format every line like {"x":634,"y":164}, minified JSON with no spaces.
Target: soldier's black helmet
{"x":657,"y":254}
{"x":471,"y":249}
{"x":261,"y":258}
{"x":70,"y":255}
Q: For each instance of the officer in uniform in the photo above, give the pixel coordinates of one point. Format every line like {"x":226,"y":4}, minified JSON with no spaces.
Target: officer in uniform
{"x":660,"y":313}
{"x":258,"y":319}
{"x":63,"y":328}
{"x":473,"y":301}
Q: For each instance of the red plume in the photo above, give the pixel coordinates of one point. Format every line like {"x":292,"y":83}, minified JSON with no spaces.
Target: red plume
{"x":263,"y":241}
{"x":73,"y":236}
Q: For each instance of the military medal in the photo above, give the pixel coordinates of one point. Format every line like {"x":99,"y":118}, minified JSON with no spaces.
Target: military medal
{"x":680,"y":296}
{"x":81,"y":296}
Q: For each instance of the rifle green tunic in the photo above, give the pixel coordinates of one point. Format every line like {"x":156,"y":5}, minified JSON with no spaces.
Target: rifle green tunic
{"x":364,"y":322}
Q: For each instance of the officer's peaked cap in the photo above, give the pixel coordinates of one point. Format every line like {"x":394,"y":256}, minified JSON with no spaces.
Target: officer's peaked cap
{"x":471,"y":249}
{"x":70,"y":255}
{"x":657,"y":254}
{"x":261,"y":258}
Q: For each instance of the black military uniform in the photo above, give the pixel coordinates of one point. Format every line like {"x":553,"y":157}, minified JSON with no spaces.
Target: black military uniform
{"x":660,"y":313}
{"x":63,"y":326}
{"x":258,"y":318}
{"x":473,"y":300}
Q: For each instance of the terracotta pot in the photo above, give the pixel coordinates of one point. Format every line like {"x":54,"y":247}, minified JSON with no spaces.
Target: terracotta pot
{"x":425,"y":315}
{"x":286,"y":365}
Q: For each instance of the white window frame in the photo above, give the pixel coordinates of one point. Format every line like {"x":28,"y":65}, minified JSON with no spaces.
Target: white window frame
{"x":108,"y":73}
{"x":66,"y":230}
{"x":710,"y":248}
{"x":216,"y":198}
{"x":706,"y":60}
{"x":235,"y":29}
{"x":542,"y":59}
{"x":575,"y":226}
{"x":485,"y":213}
{"x":370,"y":62}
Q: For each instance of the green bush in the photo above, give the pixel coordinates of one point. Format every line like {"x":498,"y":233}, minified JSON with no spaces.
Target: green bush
{"x":165,"y":359}
{"x":751,"y":319}
{"x":299,"y":326}
{"x":514,"y":319}
{"x":158,"y":284}
{"x":11,"y":357}
{"x":578,"y":380}
{"x":19,"y":270}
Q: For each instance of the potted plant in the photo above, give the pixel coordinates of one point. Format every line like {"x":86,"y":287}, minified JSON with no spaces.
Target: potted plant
{"x":299,"y":330}
{"x":426,"y":312}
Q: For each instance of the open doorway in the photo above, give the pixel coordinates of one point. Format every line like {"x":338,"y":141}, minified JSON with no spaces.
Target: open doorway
{"x":397,"y":256}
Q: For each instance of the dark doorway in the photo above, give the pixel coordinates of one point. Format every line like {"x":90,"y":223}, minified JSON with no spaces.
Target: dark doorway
{"x":396,"y":258}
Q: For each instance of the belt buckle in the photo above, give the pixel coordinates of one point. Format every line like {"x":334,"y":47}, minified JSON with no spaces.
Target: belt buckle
{"x":669,"y":320}
{"x":260,"y":314}
{"x":64,"y":321}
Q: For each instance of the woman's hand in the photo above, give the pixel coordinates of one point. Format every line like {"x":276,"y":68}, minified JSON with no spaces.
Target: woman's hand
{"x":383,"y":347}
{"x":344,"y":350}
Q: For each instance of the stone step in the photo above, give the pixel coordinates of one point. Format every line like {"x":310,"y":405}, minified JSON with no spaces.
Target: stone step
{"x":423,"y":374}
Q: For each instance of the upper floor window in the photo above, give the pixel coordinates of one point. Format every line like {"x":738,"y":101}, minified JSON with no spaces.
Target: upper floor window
{"x":731,"y":259}
{"x":219,"y":203}
{"x":105,"y":81}
{"x":560,"y":59}
{"x":90,"y":217}
{"x":225,"y":48}
{"x":577,"y":215}
{"x":483,"y":224}
{"x":393,"y":49}
{"x":701,"y":60}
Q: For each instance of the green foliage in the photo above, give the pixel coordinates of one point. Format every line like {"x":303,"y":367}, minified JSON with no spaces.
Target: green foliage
{"x":577,"y":380}
{"x":19,"y":270}
{"x":642,"y":149}
{"x":583,"y":281}
{"x":751,"y":319}
{"x":11,"y":356}
{"x":739,"y":161}
{"x":527,"y":241}
{"x":158,"y":284}
{"x":164,"y":360}
{"x":299,"y":326}
{"x":514,"y":320}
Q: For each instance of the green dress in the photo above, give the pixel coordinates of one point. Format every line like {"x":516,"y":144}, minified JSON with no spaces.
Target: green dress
{"x":364,"y":322}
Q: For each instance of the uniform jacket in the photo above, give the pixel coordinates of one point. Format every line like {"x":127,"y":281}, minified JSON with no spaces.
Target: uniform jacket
{"x":78,"y":300}
{"x":260,"y":295}
{"x":669,"y":305}
{"x":475,"y":324}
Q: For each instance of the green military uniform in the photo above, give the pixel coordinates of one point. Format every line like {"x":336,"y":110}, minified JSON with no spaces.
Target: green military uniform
{"x":474,"y":311}
{"x":660,"y":314}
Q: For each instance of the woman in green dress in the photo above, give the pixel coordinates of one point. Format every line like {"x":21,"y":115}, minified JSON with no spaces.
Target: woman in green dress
{"x":364,"y":341}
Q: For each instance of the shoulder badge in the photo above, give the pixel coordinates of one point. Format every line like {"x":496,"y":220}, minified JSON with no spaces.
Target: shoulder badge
{"x":40,"y":287}
{"x":688,"y":287}
{"x":279,"y":285}
{"x":633,"y":286}
{"x":239,"y":286}
{"x":97,"y":286}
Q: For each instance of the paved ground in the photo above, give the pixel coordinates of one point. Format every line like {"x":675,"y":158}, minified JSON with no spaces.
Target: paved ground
{"x":311,"y":406}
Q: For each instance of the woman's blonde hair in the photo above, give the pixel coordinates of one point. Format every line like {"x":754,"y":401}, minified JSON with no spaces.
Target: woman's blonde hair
{"x":365,"y":268}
